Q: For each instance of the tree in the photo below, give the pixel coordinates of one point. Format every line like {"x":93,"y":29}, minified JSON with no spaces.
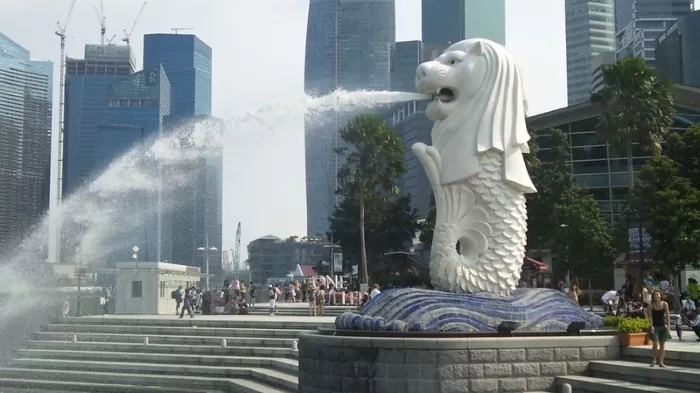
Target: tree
{"x":637,"y":108}
{"x":374,"y":161}
{"x":390,"y":223}
{"x":683,"y":149}
{"x":672,"y":205}
{"x":563,"y":217}
{"x":553,"y":178}
{"x":582,"y":234}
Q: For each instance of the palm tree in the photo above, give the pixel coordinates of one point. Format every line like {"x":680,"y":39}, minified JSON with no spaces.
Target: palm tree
{"x":374,"y":162}
{"x":637,"y":108}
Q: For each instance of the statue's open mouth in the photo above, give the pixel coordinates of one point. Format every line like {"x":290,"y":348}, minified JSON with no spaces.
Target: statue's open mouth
{"x":444,"y":95}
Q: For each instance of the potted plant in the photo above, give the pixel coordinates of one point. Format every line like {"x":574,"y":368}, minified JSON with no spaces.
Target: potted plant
{"x":633,"y":331}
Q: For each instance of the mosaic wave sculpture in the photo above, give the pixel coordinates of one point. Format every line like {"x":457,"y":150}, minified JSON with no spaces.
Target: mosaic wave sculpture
{"x":410,"y":309}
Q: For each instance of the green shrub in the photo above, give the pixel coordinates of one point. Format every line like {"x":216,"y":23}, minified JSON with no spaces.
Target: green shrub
{"x":611,"y":321}
{"x":633,"y":325}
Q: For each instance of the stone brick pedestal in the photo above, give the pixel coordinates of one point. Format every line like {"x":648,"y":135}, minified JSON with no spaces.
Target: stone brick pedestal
{"x":336,"y":364}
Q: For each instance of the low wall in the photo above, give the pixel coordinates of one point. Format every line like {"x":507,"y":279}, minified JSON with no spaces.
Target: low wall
{"x":335,"y":364}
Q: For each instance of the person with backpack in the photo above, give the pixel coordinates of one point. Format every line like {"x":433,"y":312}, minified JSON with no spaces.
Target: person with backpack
{"x":177,"y":295}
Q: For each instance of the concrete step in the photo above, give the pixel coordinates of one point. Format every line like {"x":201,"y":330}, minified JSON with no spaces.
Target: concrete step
{"x":48,"y":386}
{"x":271,"y":377}
{"x":282,"y":364}
{"x":164,"y":348}
{"x":232,"y":321}
{"x":675,"y":377}
{"x":681,"y":358}
{"x":169,"y":330}
{"x":166,"y":339}
{"x":167,"y":381}
{"x":297,"y":313}
{"x":583,"y":384}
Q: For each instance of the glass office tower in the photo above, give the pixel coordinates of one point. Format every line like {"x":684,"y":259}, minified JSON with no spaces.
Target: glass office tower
{"x":187,"y":61}
{"x":648,"y":19}
{"x":347,"y":47}
{"x":445,"y":22}
{"x":590,"y":31}
{"x":109,"y":109}
{"x":678,"y":51}
{"x":25,"y":141}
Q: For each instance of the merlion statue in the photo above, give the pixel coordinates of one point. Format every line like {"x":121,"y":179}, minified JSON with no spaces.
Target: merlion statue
{"x":478,"y":175}
{"x":476,"y":167}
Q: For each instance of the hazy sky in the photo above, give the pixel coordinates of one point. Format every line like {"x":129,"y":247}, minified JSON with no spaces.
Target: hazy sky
{"x":258,"y":55}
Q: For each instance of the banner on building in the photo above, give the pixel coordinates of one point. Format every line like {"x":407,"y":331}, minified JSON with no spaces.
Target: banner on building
{"x":337,"y":262}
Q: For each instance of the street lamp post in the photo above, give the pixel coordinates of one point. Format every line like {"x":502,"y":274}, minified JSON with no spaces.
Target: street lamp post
{"x":566,"y":256}
{"x":135,"y":256}
{"x":206,"y":250}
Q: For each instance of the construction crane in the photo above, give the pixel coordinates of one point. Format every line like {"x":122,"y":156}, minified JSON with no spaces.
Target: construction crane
{"x":103,"y":21}
{"x":237,"y":252}
{"x":127,"y":35}
{"x":55,"y":254}
{"x":178,"y":29}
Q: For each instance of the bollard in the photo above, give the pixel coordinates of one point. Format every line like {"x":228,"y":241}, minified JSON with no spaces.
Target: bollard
{"x":295,"y":345}
{"x":145,"y":341}
{"x":566,"y":388}
{"x":223,"y":343}
{"x":75,"y":338}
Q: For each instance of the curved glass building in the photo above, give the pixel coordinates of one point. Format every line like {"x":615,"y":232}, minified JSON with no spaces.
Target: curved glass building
{"x":347,"y":47}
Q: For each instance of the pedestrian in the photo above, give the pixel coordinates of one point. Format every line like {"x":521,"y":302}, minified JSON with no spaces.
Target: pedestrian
{"x":659,"y":332}
{"x":253,"y":293}
{"x":188,"y":301}
{"x":272,"y":294}
{"x":375,"y":291}
{"x":104,"y":300}
{"x":177,"y":295}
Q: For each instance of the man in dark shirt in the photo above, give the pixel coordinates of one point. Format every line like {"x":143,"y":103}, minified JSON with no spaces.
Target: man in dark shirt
{"x":253,"y":292}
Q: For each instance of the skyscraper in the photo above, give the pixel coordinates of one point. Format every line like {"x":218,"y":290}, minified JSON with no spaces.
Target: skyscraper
{"x":405,"y":57}
{"x":678,"y":51}
{"x":648,"y":19}
{"x":347,"y":47}
{"x":109,"y":110}
{"x":590,"y":31}
{"x":448,"y":21}
{"x":25,"y":140}
{"x":187,"y":61}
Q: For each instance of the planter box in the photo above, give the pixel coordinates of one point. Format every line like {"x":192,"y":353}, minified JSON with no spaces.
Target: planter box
{"x":634,"y":339}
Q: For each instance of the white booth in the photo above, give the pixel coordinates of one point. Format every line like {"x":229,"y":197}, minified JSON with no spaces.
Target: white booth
{"x":145,"y":288}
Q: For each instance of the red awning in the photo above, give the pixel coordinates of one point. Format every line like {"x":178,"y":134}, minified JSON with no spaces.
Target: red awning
{"x":534,"y":265}
{"x":307,"y":270}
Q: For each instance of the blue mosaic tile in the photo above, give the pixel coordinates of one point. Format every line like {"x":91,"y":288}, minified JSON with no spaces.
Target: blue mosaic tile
{"x":410,"y":309}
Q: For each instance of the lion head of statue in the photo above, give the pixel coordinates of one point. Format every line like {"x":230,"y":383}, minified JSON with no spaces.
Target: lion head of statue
{"x":478,"y":104}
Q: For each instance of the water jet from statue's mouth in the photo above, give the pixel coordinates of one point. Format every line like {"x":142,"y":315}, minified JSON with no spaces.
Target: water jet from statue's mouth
{"x":444,"y":95}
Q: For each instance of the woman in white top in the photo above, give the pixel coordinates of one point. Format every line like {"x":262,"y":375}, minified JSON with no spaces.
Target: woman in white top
{"x":646,"y":295}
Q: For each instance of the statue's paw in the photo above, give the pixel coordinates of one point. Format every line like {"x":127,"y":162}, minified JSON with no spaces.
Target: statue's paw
{"x":419,"y":147}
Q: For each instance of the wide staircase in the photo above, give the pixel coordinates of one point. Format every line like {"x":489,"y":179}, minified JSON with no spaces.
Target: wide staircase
{"x":632,"y":373}
{"x":111,"y":354}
